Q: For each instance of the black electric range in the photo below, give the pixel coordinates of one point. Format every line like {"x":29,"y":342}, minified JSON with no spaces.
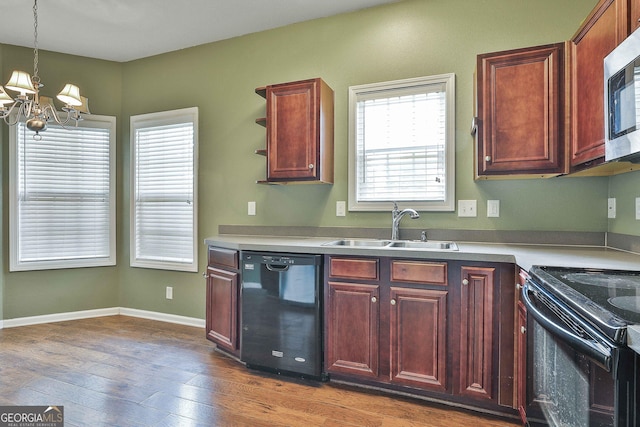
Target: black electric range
{"x":609,"y":300}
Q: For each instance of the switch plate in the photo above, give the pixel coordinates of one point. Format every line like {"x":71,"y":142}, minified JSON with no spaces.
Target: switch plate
{"x":611,"y":207}
{"x":341,"y":208}
{"x":468,"y":208}
{"x":169,"y":292}
{"x":493,"y":208}
{"x":638,"y":208}
{"x":251,"y":208}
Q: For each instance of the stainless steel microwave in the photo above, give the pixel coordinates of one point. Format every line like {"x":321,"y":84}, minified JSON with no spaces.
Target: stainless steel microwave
{"x":622,"y":101}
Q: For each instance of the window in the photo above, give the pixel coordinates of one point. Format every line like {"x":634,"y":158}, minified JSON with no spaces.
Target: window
{"x":164,"y":189}
{"x":402,"y":144}
{"x":62,"y":196}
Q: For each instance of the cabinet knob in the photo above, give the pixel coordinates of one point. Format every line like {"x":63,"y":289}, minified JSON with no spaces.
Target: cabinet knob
{"x":518,"y":286}
{"x":487,"y":158}
{"x":393,"y":302}
{"x":311,"y":166}
{"x":465,"y":282}
{"x":523,"y":329}
{"x":374,"y":299}
{"x":205,"y":275}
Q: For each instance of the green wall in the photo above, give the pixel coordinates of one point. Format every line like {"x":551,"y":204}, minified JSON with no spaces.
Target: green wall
{"x":406,"y":39}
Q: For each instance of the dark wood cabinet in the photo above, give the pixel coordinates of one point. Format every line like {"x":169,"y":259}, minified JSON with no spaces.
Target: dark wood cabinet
{"x":418,"y":327}
{"x":521,"y":350}
{"x":431,"y":328}
{"x":300,"y":132}
{"x":605,"y":27}
{"x":353,"y":339}
{"x":476,"y":332}
{"x":634,"y":15}
{"x":222,"y":299}
{"x":520,"y":102}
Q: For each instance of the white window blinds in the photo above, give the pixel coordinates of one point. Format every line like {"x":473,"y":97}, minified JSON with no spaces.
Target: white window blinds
{"x":402,"y":144}
{"x":164,"y":190}
{"x":62,"y":196}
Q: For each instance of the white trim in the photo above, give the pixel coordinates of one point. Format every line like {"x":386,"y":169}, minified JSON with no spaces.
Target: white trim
{"x":163,"y":317}
{"x":60,"y":317}
{"x":102,"y":312}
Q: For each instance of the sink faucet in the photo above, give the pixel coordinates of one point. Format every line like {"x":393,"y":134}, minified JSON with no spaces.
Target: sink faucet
{"x":396,"y":216}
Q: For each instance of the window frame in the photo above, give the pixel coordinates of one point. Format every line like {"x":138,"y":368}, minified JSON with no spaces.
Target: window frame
{"x":390,"y":87}
{"x":157,"y":119}
{"x":15,"y":264}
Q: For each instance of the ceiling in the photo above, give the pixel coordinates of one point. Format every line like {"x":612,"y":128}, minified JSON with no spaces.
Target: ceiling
{"x":124,"y":30}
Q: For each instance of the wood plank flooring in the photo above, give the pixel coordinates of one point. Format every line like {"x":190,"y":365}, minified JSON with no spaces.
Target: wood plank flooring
{"x":125,"y":371}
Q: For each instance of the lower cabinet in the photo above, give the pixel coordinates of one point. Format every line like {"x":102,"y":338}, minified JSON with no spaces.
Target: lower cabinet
{"x":222,"y":295}
{"x":423,"y":327}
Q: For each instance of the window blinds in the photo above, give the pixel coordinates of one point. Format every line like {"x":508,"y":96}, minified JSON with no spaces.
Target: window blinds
{"x":400,"y":147}
{"x":163,"y":203}
{"x":64,"y":197}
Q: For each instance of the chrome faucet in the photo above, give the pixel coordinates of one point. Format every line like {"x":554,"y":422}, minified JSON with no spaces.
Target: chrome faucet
{"x":396,"y":216}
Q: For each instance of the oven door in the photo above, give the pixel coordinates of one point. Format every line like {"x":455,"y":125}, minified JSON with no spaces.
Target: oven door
{"x":573,"y":371}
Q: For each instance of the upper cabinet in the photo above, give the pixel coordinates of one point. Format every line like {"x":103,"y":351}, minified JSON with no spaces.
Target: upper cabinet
{"x":540,"y":110}
{"x":601,"y":32}
{"x":300,"y":132}
{"x":520,"y":112}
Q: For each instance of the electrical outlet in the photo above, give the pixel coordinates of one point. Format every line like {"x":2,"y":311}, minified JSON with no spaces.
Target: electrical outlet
{"x":611,"y":207}
{"x":493,"y":208}
{"x":169,"y":292}
{"x":341,"y":208}
{"x":468,"y":208}
{"x":251,"y":208}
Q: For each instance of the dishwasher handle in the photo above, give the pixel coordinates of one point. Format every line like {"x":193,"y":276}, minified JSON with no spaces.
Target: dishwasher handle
{"x":587,"y":345}
{"x":277,"y":268}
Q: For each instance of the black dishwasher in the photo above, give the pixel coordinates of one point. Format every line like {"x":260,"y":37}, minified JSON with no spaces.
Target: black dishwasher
{"x":281,"y":313}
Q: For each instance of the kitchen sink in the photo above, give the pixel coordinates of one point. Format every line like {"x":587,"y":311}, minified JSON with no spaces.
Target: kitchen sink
{"x":359,"y":243}
{"x":429,"y":244}
{"x":434,"y":245}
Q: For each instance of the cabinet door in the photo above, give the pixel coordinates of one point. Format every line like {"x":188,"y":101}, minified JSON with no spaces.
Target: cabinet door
{"x":634,"y":14}
{"x":418,"y":322}
{"x":353,"y":329}
{"x":476,"y":332}
{"x":521,"y":108}
{"x":521,"y":362}
{"x":292,"y":130}
{"x":603,"y":30}
{"x":222,"y":308}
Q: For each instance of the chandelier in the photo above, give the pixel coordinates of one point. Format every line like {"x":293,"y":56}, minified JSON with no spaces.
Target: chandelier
{"x":35,"y":110}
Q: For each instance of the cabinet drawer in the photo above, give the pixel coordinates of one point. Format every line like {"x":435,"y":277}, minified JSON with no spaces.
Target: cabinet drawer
{"x":354,"y":268}
{"x":419,"y":272}
{"x":223,"y":257}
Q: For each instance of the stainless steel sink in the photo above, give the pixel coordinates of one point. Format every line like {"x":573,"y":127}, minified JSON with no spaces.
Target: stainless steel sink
{"x":433,"y":245}
{"x":359,"y":243}
{"x":429,"y":244}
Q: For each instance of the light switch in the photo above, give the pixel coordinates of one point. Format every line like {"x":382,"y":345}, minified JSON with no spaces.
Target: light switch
{"x":468,"y":208}
{"x":341,"y":208}
{"x":251,"y":208}
{"x":493,"y":208}
{"x":611,"y":207}
{"x":638,"y":208}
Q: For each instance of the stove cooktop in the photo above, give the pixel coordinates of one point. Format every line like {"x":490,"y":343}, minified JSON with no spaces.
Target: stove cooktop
{"x":608,"y":299}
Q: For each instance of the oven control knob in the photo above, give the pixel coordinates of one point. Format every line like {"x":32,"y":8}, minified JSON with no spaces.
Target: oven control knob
{"x":523,"y":329}
{"x":465,"y":282}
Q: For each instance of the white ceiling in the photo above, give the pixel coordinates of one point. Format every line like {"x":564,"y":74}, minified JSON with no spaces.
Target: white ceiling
{"x":123,"y":30}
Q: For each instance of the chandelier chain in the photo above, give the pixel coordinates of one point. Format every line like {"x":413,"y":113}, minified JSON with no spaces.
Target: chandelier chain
{"x":36,"y":77}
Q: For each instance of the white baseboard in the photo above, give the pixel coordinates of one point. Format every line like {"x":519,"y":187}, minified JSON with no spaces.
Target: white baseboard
{"x":86,"y":314}
{"x":163,"y":317}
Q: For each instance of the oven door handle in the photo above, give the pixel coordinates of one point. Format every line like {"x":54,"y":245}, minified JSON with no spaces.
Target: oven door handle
{"x":591,"y":348}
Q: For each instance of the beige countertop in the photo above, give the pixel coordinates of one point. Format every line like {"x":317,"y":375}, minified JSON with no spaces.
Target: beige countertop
{"x":523,"y":255}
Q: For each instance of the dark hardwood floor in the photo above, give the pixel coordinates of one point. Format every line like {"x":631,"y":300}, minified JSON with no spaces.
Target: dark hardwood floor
{"x":124,"y":371}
